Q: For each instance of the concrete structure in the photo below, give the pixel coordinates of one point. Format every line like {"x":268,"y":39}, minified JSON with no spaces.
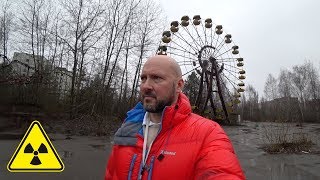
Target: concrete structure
{"x":24,"y":64}
{"x":64,"y":79}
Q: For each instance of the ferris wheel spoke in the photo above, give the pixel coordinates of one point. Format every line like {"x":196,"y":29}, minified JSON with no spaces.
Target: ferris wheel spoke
{"x":212,"y":36}
{"x":195,"y":41}
{"x":178,"y":35}
{"x":182,"y":56}
{"x":228,"y":91}
{"x":220,"y":54}
{"x":231,"y":82}
{"x":227,"y":58}
{"x":190,"y":71}
{"x":185,"y":63}
{"x":233,"y":67}
{"x":231,"y":71}
{"x":191,"y":62}
{"x":225,"y":87}
{"x":183,"y":49}
{"x":195,"y":28}
{"x":224,"y":60}
{"x":205,"y":33}
{"x":186,"y":66}
{"x":217,"y":40}
{"x":221,"y":45}
{"x":217,"y":50}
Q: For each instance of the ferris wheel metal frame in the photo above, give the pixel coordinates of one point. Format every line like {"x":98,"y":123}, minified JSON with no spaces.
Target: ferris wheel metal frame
{"x":207,"y":50}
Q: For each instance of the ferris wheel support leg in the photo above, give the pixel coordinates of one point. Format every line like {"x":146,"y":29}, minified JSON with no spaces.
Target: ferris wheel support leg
{"x":214,"y":64}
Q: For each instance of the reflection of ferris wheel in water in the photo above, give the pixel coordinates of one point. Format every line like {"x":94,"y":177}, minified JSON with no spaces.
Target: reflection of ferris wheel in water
{"x":203,"y":48}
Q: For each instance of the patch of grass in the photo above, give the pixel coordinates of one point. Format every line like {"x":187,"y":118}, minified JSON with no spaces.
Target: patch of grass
{"x":280,"y":138}
{"x":289,"y":147}
{"x":84,"y":125}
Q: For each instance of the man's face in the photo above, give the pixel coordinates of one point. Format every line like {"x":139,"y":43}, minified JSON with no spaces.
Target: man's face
{"x":158,"y":86}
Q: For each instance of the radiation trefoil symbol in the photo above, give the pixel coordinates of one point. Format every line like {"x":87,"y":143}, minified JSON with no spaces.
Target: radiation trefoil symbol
{"x":35,"y":160}
{"x":35,"y":153}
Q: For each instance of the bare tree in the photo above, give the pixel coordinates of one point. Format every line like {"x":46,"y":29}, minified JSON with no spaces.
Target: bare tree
{"x":124,"y":78}
{"x":253,"y":102}
{"x":312,"y":110}
{"x":271,"y":94}
{"x":300,"y":81}
{"x":83,"y":28}
{"x":299,"y":77}
{"x":133,"y":5}
{"x":148,"y":30}
{"x":313,"y":89}
{"x":34,"y":25}
{"x":6,"y":22}
{"x":285,"y":85}
{"x":114,"y":16}
{"x":271,"y":88}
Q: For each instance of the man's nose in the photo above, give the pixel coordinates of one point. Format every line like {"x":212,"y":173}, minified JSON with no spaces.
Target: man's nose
{"x":146,"y":85}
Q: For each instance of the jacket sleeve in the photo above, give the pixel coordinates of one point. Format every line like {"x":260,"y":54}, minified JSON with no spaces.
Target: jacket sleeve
{"x":217,"y":160}
{"x":110,"y":166}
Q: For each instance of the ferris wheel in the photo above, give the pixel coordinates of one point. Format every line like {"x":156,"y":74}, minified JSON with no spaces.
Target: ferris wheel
{"x":204,"y":50}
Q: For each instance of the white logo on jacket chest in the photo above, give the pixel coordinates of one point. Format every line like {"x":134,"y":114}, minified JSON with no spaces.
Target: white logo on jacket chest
{"x":168,"y":153}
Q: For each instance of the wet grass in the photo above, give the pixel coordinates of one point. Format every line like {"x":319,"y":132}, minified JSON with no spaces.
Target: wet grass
{"x":289,"y":147}
{"x":284,"y":138}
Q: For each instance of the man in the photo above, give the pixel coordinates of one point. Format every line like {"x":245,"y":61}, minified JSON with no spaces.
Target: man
{"x":162,"y":139}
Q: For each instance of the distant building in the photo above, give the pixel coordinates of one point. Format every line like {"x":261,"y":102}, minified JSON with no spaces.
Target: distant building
{"x":24,"y":64}
{"x":64,"y":79}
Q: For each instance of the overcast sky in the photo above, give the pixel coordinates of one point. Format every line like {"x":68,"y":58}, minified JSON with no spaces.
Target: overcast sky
{"x":271,"y":34}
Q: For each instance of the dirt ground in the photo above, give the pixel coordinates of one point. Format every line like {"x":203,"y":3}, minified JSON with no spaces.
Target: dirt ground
{"x":85,"y":157}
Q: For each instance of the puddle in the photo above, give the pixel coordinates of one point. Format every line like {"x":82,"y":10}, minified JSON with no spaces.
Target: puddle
{"x":316,"y":130}
{"x":67,"y":154}
{"x":98,"y":146}
{"x":246,"y":130}
{"x":285,"y":171}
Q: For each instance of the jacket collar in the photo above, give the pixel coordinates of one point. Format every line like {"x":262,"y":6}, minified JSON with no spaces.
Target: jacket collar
{"x":171,"y":115}
{"x":176,"y":113}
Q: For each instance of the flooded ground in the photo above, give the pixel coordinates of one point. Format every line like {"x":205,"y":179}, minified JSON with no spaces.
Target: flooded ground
{"x":257,"y":164}
{"x":85,"y":157}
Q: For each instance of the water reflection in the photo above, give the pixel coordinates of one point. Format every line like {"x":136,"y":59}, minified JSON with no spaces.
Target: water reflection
{"x":67,"y":154}
{"x":283,"y":171}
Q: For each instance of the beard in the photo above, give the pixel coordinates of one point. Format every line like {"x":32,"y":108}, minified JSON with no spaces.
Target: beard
{"x":158,"y":105}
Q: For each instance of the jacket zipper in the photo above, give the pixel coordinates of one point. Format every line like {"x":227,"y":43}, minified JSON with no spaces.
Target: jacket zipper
{"x":151,"y":168}
{"x":131,"y":166}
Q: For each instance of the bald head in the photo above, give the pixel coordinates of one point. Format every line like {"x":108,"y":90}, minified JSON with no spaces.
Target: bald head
{"x":161,"y":83}
{"x":167,"y":63}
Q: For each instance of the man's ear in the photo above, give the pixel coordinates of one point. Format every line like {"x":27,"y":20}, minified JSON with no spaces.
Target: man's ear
{"x":180,"y":85}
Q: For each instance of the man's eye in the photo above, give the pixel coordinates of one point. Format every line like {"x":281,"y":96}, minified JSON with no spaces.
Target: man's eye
{"x":157,"y":78}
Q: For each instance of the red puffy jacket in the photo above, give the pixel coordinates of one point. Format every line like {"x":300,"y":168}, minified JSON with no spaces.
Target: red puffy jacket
{"x":188,"y":146}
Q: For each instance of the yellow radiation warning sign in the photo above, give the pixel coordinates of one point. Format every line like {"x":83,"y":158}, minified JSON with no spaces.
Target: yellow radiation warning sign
{"x":35,"y":153}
